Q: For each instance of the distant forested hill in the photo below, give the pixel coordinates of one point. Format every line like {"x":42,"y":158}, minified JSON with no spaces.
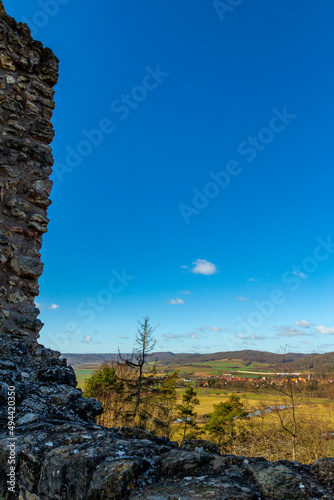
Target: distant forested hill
{"x":248,"y":356}
{"x":315,"y":363}
{"x":77,"y":359}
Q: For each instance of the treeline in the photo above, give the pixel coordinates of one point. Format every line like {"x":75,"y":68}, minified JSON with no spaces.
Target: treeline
{"x":321,"y":364}
{"x":247,"y":356}
{"x":170,"y":358}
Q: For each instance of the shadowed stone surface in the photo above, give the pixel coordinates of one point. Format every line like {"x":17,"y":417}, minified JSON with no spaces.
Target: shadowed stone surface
{"x":60,"y":453}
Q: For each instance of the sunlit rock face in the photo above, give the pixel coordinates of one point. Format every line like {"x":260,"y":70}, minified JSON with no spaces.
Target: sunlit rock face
{"x":59,"y":452}
{"x":28,"y":72}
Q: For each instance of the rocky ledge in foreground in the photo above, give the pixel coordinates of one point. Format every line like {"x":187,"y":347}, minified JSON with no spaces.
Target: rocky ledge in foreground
{"x":86,"y":461}
{"x":45,"y":387}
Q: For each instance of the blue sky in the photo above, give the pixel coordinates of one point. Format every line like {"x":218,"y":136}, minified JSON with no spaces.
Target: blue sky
{"x":193,"y":176}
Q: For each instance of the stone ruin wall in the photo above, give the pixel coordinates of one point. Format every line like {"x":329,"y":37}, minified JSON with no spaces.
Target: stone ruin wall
{"x":28,"y":72}
{"x":45,"y":385}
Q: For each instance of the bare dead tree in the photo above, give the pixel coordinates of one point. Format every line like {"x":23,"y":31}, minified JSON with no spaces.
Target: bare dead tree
{"x":289,"y":425}
{"x":143,"y":386}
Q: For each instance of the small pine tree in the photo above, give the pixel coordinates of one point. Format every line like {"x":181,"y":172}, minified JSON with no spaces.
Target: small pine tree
{"x":222,"y":421}
{"x":186,"y":412}
{"x":166,"y":405}
{"x":105,"y":386}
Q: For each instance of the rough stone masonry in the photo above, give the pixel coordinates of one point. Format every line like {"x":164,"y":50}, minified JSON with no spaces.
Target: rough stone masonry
{"x":28,"y":72}
{"x":50,"y":446}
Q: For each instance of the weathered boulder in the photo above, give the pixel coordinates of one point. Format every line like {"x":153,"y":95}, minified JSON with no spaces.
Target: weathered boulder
{"x":323,"y":470}
{"x":44,"y":386}
{"x":199,"y":444}
{"x":85,"y":461}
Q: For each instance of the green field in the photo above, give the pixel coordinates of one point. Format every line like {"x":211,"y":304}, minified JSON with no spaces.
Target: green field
{"x":232,"y":366}
{"x":81,"y":375}
{"x":214,"y":368}
{"x":209,"y":397}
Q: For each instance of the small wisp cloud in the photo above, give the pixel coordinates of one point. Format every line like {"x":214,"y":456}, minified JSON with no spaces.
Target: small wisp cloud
{"x":213,"y":329}
{"x":87,"y":339}
{"x":54,"y":306}
{"x":42,"y":307}
{"x":288,"y":331}
{"x":303,"y":323}
{"x":175,"y":301}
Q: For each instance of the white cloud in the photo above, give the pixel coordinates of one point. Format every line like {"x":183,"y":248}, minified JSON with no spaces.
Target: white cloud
{"x":184,"y":267}
{"x":252,"y":280}
{"x":299,"y":274}
{"x":258,"y":337}
{"x":303,"y":324}
{"x":324,"y":330}
{"x":213,"y":329}
{"x":53,"y":306}
{"x":202,"y":266}
{"x":123,"y":337}
{"x":175,"y":301}
{"x":171,"y":336}
{"x":192,"y":335}
{"x":252,"y":336}
{"x":186,"y":292}
{"x":288,"y":331}
{"x":243,"y":298}
{"x":87,"y":339}
{"x":42,"y":307}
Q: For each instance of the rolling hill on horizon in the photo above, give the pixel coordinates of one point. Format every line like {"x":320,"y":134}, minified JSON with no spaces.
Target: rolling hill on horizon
{"x":247,"y":357}
{"x":315,"y":363}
